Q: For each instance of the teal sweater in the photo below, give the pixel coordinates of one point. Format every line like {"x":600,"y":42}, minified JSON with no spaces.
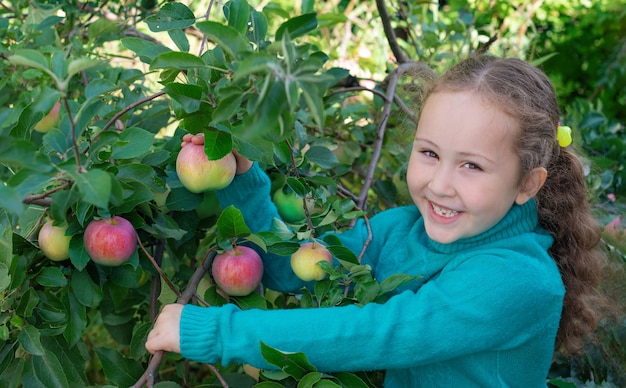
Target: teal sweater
{"x":484,"y":314}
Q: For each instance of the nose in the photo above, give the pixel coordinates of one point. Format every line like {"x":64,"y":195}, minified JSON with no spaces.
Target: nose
{"x":442,"y":181}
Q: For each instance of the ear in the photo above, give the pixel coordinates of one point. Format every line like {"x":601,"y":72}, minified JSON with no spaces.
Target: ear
{"x":531,"y":185}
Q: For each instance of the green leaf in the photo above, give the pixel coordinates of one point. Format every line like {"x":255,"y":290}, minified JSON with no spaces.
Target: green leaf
{"x":350,"y":380}
{"x":29,"y":300}
{"x":297,"y":26}
{"x":133,"y":143}
{"x":118,"y":369}
{"x":77,"y":319}
{"x":5,"y":278}
{"x":138,"y":341}
{"x":78,"y":254}
{"x":394,"y":281}
{"x":171,"y":16}
{"x":314,"y":102}
{"x":188,"y":96}
{"x":30,"y":339}
{"x":259,"y":63}
{"x":94,"y":186}
{"x":181,"y":199}
{"x":259,"y":26}
{"x":310,"y":379}
{"x":31,"y":58}
{"x":179,"y":38}
{"x":228,"y":38}
{"x":176,"y":60}
{"x":237,"y":12}
{"x":295,"y":365}
{"x":231,"y":224}
{"x":252,"y":301}
{"x":22,"y":154}
{"x":322,"y":156}
{"x":343,"y":253}
{"x":99,"y":87}
{"x":217,"y":144}
{"x":226,"y":108}
{"x":49,"y":371}
{"x":366,"y":291}
{"x":86,"y":291}
{"x":51,"y":277}
{"x":29,"y":117}
{"x":77,"y":65}
{"x":11,"y":201}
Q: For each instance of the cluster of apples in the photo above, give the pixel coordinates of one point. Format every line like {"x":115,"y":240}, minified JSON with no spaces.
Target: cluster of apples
{"x":237,"y":271}
{"x":108,"y":241}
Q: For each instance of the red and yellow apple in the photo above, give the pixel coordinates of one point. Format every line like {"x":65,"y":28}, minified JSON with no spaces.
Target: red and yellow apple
{"x":304,"y":262}
{"x":237,"y":271}
{"x":110,"y":241}
{"x":50,"y":120}
{"x":198,"y":174}
{"x":53,"y":242}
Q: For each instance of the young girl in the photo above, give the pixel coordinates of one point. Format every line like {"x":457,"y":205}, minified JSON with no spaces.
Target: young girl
{"x":500,"y":233}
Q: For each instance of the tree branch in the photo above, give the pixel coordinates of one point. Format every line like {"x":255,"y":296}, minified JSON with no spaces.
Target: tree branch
{"x":183,"y":298}
{"x":389,"y":33}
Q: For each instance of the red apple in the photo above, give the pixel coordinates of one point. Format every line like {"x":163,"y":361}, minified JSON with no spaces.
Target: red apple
{"x":237,"y":271}
{"x":53,"y":242}
{"x":110,"y":241}
{"x":197,"y":173}
{"x":304,"y":261}
{"x":50,"y":120}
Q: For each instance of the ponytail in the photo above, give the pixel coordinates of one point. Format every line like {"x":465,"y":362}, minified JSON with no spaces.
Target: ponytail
{"x":565,"y":212}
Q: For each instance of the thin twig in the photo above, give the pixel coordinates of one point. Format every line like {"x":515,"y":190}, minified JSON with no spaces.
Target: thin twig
{"x":158,"y":268}
{"x":131,"y":107}
{"x":380,"y":133}
{"x":389,"y":33}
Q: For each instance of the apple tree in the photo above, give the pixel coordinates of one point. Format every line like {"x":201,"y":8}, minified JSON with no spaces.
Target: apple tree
{"x":95,"y":100}
{"x":94,"y":109}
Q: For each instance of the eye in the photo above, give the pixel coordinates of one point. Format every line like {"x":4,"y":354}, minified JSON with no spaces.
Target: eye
{"x":472,"y":166}
{"x":429,"y":153}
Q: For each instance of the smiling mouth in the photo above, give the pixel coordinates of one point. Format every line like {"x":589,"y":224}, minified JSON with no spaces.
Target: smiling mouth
{"x":443,"y":212}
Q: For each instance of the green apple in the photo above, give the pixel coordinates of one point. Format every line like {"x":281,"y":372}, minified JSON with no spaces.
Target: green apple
{"x":53,"y":242}
{"x":304,"y":262}
{"x":198,"y":174}
{"x":290,"y":206}
{"x":50,"y":120}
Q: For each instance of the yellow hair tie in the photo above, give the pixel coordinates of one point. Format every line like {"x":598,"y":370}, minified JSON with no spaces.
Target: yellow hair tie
{"x":564,"y":135}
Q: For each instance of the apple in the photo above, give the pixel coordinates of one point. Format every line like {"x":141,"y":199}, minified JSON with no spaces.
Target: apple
{"x":53,"y":242}
{"x":50,"y":120}
{"x":252,"y":371}
{"x":304,"y":261}
{"x":198,"y":174}
{"x":289,"y":205}
{"x":237,"y":271}
{"x":110,"y":241}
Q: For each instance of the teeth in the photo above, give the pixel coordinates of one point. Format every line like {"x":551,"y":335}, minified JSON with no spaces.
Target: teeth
{"x":444,"y":212}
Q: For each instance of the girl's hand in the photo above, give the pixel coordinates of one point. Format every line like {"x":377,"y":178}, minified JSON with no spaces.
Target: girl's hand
{"x":165,"y":335}
{"x":243,"y":163}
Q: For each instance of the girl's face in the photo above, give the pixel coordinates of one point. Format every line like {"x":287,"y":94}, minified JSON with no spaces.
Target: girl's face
{"x":463,"y":173}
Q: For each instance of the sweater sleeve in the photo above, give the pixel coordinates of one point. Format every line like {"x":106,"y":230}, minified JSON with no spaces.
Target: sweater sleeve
{"x":486,"y":303}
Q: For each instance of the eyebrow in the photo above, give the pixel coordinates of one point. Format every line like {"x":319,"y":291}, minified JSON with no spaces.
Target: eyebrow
{"x":463,"y":154}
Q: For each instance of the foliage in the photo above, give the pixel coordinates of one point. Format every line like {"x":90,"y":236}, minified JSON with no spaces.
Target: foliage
{"x":309,"y":91}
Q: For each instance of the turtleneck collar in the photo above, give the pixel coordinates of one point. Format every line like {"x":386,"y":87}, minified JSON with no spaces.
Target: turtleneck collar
{"x":519,"y":219}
